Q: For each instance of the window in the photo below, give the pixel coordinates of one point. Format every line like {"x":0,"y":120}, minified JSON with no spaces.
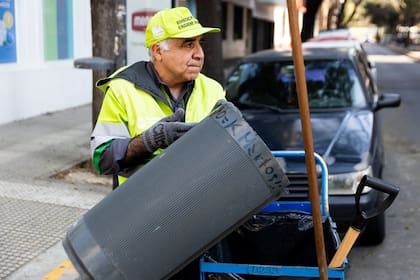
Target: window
{"x":224,"y":20}
{"x":238,"y":19}
{"x":58,"y":29}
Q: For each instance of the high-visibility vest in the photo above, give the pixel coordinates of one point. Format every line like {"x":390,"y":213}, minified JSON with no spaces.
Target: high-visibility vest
{"x":129,"y":108}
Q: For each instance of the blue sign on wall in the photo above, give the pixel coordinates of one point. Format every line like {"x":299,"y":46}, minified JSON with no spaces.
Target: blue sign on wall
{"x":7,"y":31}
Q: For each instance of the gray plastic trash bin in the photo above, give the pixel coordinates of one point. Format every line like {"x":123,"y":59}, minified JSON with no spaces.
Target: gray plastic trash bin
{"x":181,"y":203}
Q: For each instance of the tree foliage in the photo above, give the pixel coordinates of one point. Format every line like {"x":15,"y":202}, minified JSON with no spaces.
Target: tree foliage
{"x":354,"y":8}
{"x":382,"y":14}
{"x":342,"y":12}
{"x":409,"y":12}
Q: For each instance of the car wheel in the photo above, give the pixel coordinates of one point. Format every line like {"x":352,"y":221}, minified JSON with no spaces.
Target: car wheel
{"x":374,"y":233}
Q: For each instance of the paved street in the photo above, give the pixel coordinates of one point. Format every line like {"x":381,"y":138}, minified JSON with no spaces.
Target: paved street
{"x":36,"y":209}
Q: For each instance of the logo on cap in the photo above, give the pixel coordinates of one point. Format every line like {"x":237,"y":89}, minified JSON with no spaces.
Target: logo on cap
{"x":158,"y":31}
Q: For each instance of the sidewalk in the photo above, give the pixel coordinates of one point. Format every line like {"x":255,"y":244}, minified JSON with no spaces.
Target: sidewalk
{"x":412,"y":51}
{"x":35,"y":209}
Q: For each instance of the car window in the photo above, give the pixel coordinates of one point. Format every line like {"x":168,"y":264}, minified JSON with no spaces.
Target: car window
{"x":330,"y":84}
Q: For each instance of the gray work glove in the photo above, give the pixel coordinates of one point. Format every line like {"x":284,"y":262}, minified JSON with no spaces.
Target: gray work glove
{"x":219,"y":103}
{"x":225,"y":103}
{"x":166,"y":131}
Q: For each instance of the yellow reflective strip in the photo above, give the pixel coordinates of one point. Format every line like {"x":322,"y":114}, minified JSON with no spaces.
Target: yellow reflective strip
{"x":66,"y":267}
{"x":121,"y":180}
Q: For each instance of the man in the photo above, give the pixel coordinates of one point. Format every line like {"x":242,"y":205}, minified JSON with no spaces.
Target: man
{"x":149,"y":105}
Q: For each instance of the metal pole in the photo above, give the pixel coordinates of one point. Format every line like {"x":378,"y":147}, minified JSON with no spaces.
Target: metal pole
{"x":307,"y":137}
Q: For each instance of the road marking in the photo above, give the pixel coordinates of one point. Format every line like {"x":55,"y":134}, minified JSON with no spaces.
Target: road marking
{"x":65,"y":267}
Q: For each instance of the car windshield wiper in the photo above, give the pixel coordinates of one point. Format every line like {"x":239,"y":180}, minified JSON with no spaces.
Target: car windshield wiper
{"x":253,"y":105}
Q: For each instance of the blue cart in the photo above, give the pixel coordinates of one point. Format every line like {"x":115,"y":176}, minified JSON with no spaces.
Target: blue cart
{"x":300,"y":211}
{"x":208,"y":266}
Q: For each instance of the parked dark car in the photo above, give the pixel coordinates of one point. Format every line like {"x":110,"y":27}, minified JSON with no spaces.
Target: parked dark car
{"x":343,"y":102}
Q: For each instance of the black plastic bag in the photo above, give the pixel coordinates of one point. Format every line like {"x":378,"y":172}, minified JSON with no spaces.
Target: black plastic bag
{"x":285,"y":238}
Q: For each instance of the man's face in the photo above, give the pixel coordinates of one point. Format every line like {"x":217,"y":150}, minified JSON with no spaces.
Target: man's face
{"x":183,"y":61}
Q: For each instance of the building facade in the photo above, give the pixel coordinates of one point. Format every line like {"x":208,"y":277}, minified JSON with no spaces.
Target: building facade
{"x":36,"y":59}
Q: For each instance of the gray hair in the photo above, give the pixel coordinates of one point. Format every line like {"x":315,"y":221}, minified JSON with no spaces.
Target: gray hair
{"x":164,"y":45}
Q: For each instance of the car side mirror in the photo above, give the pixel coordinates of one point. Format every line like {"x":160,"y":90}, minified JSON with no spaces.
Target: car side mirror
{"x":388,"y":100}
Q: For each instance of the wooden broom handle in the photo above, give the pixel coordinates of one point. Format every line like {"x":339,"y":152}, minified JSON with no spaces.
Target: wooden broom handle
{"x":307,"y":137}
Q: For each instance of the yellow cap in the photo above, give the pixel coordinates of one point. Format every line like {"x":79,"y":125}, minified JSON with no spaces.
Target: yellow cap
{"x":174,"y":23}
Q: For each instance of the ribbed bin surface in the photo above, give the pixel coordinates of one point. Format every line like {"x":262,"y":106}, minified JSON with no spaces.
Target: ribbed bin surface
{"x":178,"y":205}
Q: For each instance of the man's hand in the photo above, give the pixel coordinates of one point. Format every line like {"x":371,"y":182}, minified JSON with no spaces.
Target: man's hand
{"x":166,"y":131}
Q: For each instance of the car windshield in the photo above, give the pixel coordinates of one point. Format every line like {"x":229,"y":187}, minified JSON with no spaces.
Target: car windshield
{"x":330,"y":84}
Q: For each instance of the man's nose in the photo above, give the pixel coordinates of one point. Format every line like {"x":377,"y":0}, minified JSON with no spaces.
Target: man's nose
{"x":198,"y":52}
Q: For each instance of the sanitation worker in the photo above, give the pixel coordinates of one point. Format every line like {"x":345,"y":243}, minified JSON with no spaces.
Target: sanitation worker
{"x":150,"y":104}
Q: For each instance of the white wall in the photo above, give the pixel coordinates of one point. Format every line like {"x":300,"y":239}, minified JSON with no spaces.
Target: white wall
{"x":33,"y":86}
{"x":282,"y":38}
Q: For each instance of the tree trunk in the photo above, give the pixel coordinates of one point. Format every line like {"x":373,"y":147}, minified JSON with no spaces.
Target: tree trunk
{"x":340,"y":16}
{"x":331,"y":14}
{"x":108,"y":41}
{"x":308,"y":25}
{"x":209,"y":13}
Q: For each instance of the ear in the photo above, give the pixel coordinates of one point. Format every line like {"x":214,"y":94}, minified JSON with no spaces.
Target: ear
{"x":157,"y":52}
